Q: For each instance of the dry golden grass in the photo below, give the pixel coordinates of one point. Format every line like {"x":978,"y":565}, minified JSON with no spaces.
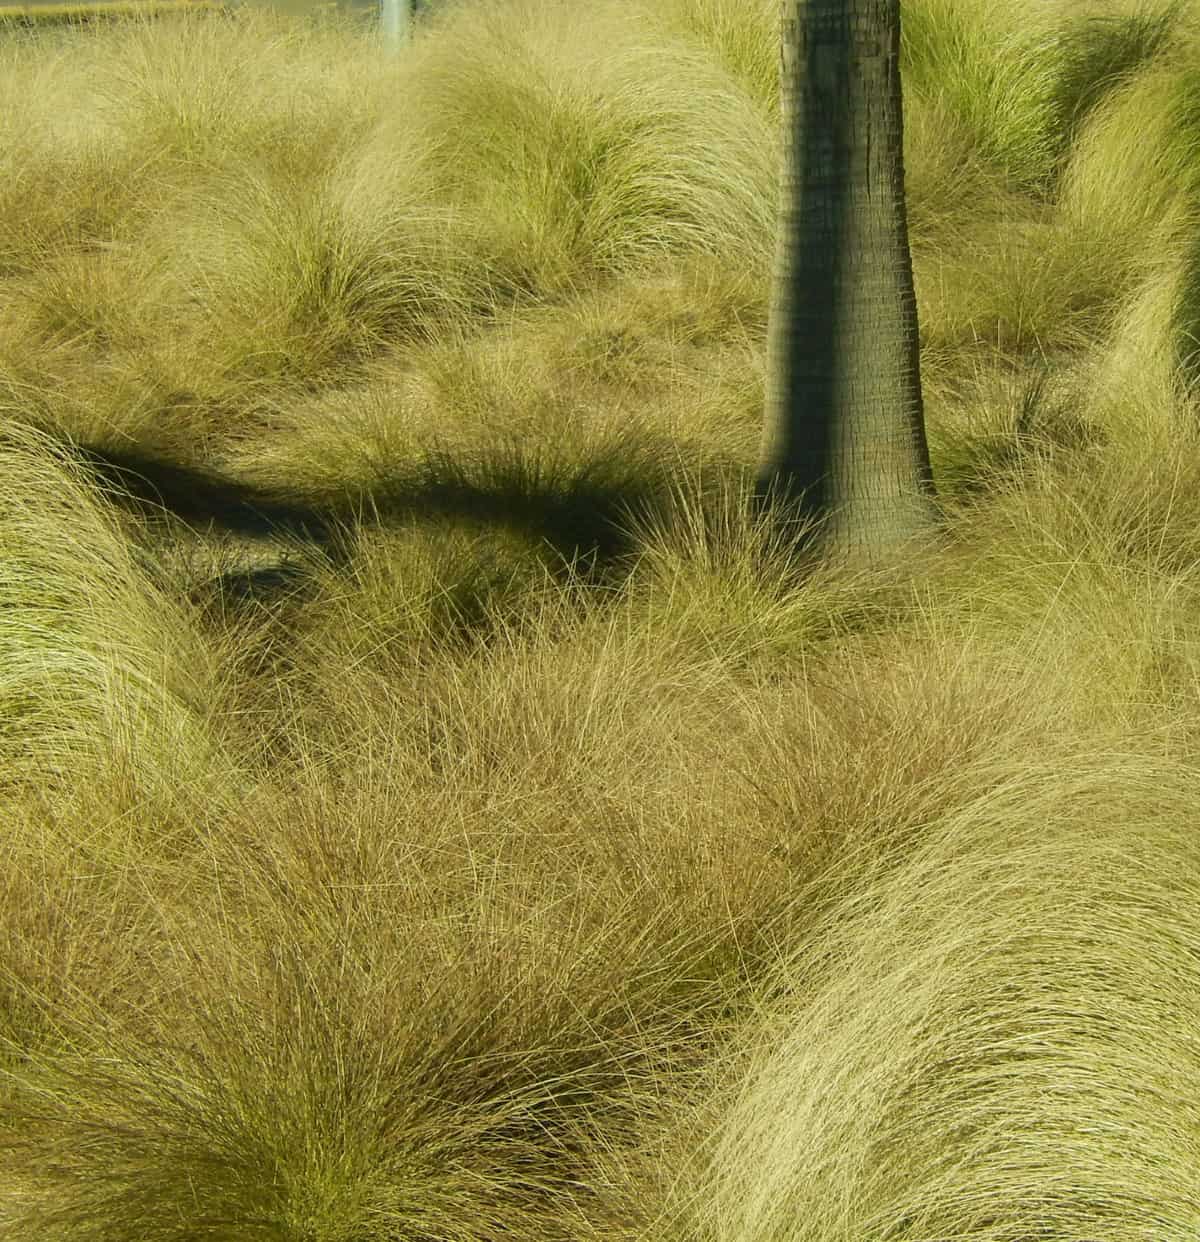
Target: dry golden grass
{"x":558,"y":860}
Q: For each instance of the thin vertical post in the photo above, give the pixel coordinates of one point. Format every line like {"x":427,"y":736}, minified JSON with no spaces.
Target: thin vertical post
{"x":395,"y":19}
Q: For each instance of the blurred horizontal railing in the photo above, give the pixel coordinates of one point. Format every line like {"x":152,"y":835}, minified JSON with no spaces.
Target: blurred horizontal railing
{"x":52,"y":14}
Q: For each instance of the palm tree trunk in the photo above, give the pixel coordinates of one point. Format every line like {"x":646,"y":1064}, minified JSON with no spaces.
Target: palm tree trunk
{"x":844,"y":433}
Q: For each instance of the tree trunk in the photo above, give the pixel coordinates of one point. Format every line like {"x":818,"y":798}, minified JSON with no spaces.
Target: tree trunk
{"x":844,"y":431}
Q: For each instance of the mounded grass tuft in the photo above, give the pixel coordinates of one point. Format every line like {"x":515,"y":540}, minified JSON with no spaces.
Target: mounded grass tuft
{"x":990,"y":1042}
{"x":101,"y":667}
{"x":1021,"y":80}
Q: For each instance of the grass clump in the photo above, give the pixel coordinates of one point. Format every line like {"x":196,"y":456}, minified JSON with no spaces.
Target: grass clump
{"x":101,"y":667}
{"x":966,"y":1047}
{"x":1022,"y":83}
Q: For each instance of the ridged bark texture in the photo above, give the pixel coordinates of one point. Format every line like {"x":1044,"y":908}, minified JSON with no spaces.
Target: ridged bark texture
{"x":844,"y":429}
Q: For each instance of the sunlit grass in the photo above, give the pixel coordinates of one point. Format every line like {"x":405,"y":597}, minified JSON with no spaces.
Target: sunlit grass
{"x":101,"y":666}
{"x":953,"y":1053}
{"x":540,"y":851}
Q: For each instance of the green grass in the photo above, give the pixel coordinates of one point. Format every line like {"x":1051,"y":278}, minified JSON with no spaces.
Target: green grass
{"x":557,"y":861}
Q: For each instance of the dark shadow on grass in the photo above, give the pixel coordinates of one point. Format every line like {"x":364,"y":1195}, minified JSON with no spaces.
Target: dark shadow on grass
{"x":583,"y":511}
{"x":153,"y":488}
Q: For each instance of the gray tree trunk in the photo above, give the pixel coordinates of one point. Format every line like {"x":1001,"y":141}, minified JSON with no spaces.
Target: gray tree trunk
{"x":844,"y":430}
